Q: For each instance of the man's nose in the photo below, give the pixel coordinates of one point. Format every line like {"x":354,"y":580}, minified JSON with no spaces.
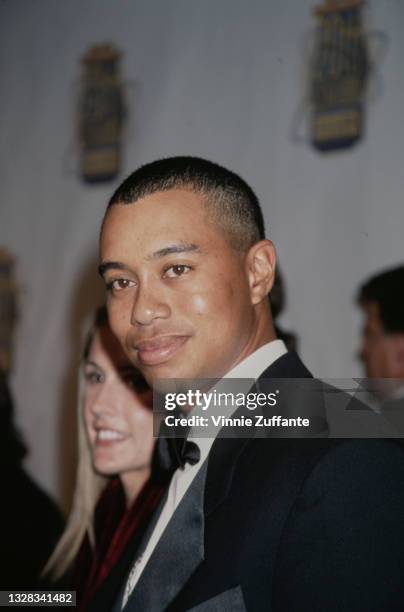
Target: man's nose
{"x":148,"y":305}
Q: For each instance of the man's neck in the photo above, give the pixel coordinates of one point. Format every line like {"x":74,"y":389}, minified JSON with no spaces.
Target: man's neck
{"x":264,"y":333}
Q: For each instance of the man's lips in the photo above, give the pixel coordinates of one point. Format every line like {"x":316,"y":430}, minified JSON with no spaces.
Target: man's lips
{"x":160,"y":349}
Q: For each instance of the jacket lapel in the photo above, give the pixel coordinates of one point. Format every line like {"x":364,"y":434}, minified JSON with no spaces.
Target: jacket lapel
{"x":222,"y":463}
{"x":226,"y":451}
{"x":177,"y":554}
{"x":287,"y":366}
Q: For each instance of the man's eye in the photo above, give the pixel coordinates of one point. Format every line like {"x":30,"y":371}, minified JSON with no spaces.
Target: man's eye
{"x":176,"y":271}
{"x":120,"y":284}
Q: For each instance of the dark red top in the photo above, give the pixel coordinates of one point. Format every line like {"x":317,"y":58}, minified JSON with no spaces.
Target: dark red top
{"x":114,"y":527}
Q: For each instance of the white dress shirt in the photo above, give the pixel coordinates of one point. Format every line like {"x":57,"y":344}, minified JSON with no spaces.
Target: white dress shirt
{"x":249,"y":368}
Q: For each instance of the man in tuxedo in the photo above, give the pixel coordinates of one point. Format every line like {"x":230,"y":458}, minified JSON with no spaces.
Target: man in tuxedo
{"x":247,"y":523}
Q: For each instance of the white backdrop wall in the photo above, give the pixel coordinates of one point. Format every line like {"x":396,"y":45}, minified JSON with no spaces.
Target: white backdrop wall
{"x":220,"y":79}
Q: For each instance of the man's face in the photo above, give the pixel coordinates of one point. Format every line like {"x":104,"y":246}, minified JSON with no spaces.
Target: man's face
{"x":379,"y":349}
{"x":178,"y":295}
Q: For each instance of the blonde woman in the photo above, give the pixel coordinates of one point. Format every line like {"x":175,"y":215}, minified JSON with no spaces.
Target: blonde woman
{"x":115,"y":495}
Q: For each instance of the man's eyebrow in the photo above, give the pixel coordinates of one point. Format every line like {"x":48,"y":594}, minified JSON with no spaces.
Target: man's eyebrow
{"x":175,"y":248}
{"x":111,"y":265}
{"x":169,"y":250}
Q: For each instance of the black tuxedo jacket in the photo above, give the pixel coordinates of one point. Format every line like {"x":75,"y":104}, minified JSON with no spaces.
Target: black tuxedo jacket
{"x":280,"y":525}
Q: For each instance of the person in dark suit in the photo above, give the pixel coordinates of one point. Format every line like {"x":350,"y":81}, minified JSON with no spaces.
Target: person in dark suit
{"x":381,"y":300}
{"x":30,"y":521}
{"x":251,"y":524}
{"x":382,"y":343}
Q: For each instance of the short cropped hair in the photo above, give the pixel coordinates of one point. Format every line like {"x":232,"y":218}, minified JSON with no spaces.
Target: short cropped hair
{"x":387,"y":291}
{"x":230,"y":202}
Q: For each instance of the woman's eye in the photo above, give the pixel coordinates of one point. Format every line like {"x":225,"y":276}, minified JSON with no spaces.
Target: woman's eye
{"x":93,"y":378}
{"x":120,"y":284}
{"x":127,"y":379}
{"x":176,"y":271}
{"x":130,"y":382}
{"x":133,"y":379}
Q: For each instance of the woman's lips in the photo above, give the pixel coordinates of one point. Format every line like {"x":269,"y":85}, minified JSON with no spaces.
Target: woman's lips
{"x":109,"y":437}
{"x":159,"y":350}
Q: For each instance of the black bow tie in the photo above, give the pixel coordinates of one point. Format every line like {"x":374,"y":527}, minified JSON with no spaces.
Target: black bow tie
{"x":172,"y":453}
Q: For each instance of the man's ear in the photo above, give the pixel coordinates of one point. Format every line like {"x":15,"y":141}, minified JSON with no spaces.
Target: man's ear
{"x":261,"y":261}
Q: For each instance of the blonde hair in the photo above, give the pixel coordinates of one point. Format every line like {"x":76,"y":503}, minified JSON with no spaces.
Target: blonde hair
{"x":88,"y":488}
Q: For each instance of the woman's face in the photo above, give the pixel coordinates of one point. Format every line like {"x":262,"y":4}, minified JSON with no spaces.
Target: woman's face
{"x":117,"y":409}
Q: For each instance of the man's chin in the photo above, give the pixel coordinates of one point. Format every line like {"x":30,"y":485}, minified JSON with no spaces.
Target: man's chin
{"x":152,"y":375}
{"x":167,"y":372}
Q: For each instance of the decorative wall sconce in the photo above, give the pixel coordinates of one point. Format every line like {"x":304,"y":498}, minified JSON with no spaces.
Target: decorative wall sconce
{"x":101,"y":114}
{"x":339,"y":75}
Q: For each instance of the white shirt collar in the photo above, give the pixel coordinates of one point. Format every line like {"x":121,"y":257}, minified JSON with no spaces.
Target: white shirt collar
{"x":253,"y":365}
{"x":250,"y":368}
